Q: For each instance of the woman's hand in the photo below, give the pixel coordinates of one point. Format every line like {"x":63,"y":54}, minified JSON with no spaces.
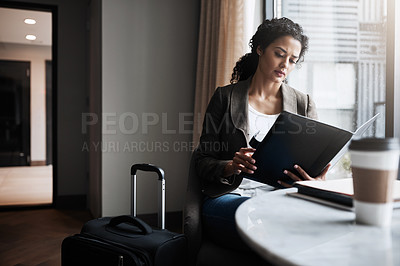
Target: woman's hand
{"x":304,"y":175}
{"x":242,"y":162}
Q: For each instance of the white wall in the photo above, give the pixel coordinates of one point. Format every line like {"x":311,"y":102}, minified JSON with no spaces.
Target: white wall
{"x":149,"y":51}
{"x":36,"y":55}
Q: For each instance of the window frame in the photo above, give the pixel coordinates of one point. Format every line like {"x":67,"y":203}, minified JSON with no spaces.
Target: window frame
{"x":393,"y":70}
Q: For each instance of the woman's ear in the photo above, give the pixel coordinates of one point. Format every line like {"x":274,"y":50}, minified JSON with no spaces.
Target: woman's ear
{"x":259,"y":50}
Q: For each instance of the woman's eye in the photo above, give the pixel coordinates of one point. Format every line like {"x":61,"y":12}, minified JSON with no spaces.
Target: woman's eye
{"x":292,"y":61}
{"x":278,"y":55}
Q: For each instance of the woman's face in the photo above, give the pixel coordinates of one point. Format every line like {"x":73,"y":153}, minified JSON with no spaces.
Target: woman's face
{"x":279,"y":58}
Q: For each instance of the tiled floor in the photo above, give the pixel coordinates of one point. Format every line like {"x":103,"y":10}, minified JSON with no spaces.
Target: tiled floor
{"x":28,"y":185}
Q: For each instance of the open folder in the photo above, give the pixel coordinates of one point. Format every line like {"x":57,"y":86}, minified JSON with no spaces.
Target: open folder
{"x":295,"y":139}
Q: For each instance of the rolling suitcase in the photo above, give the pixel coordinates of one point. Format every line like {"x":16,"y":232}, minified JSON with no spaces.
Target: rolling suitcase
{"x":127,"y":240}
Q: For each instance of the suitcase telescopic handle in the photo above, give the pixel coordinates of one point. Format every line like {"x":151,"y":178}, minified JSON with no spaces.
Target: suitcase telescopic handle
{"x":161,"y":198}
{"x":148,"y":168}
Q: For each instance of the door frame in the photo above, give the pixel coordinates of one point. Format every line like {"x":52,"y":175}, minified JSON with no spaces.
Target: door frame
{"x":49,"y":113}
{"x":53,"y":9}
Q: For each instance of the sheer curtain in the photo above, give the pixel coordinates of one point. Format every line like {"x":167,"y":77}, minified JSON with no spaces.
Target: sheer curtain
{"x":225,"y":30}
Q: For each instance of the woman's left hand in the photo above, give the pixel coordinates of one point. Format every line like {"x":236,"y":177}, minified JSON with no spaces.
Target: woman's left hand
{"x":304,"y":175}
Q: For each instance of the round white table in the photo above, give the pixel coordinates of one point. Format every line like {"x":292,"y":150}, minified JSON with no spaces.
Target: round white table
{"x":291,"y":231}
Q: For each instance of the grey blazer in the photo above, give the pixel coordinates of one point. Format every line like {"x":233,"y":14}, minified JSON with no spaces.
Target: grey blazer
{"x":225,"y":132}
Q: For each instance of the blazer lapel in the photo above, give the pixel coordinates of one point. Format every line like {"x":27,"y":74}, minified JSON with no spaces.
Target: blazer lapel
{"x":289,"y":99}
{"x":239,"y":105}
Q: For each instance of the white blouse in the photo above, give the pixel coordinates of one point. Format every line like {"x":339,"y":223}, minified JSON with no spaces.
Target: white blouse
{"x":259,"y":124}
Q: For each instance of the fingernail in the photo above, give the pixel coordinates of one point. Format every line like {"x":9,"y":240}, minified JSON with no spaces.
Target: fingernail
{"x":285,"y":172}
{"x":296,"y":166}
{"x":254,"y":167}
{"x":253,"y":161}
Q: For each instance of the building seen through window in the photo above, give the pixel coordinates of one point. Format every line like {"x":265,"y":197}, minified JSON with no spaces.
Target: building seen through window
{"x":344,"y":69}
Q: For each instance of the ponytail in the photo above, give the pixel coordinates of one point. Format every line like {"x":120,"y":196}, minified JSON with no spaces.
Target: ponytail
{"x":245,"y":67}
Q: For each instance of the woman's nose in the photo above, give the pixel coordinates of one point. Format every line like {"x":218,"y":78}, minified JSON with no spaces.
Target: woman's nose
{"x":284,"y":63}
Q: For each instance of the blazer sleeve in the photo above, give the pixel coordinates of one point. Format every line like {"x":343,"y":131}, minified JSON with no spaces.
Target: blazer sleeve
{"x":311,"y":109}
{"x":208,"y":162}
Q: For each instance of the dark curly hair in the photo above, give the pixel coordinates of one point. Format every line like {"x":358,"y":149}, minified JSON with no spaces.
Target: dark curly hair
{"x":267,"y":33}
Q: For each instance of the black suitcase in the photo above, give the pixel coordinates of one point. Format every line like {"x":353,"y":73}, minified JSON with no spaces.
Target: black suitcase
{"x":126,"y":240}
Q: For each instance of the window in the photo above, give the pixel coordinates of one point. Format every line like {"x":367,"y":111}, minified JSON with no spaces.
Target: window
{"x":345,"y":67}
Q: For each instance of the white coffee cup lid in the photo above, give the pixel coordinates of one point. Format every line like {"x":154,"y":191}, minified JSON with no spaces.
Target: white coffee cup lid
{"x":374,"y":144}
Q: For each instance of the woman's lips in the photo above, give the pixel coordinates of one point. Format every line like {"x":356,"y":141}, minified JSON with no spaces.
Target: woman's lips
{"x":279,"y":73}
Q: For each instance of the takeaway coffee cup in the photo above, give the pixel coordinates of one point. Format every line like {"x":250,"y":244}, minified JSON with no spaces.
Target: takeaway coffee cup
{"x":374,"y":163}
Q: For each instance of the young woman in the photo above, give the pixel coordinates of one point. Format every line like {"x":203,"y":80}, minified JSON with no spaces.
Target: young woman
{"x":237,"y":112}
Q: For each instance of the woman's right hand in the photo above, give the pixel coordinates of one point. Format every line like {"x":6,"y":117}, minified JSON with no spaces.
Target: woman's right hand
{"x":242,"y":162}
